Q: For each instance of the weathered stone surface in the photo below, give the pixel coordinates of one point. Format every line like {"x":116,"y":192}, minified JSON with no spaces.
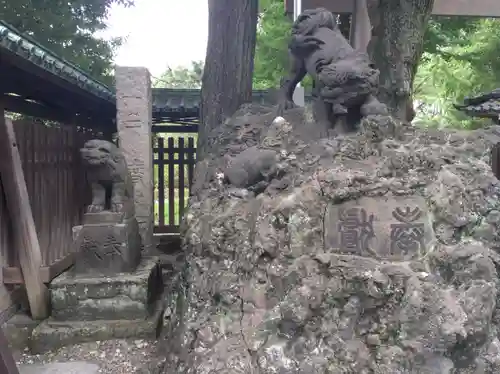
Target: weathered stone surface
{"x":122,"y":296}
{"x":18,"y":330}
{"x":266,"y":290}
{"x":106,"y":248}
{"x":75,"y":367}
{"x":134,"y":120}
{"x":103,"y":217}
{"x":51,"y":335}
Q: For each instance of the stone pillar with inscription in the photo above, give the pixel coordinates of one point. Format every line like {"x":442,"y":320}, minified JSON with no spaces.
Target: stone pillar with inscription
{"x":134,"y":119}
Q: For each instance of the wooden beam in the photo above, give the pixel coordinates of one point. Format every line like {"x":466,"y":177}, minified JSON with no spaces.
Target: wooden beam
{"x":20,"y":105}
{"x":18,"y":205}
{"x":7,"y":362}
{"x":334,"y":6}
{"x":54,"y":104}
{"x":66,"y":87}
{"x":14,"y":275}
{"x":477,"y":8}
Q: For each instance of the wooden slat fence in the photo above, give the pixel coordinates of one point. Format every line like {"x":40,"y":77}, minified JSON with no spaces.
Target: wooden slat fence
{"x":58,"y":193}
{"x":174,"y":158}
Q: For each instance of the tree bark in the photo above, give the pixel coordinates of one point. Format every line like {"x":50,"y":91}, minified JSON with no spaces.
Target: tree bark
{"x":398,"y":28}
{"x":227,"y":77}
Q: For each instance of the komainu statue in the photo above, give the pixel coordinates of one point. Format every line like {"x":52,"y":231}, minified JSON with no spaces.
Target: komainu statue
{"x":108,"y":174}
{"x":345,"y":81}
{"x":108,"y":241}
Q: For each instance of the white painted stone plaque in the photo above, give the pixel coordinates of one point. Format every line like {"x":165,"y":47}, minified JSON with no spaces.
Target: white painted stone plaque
{"x":395,"y":227}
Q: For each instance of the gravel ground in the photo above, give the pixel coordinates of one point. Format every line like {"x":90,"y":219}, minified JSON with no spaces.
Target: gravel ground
{"x":113,"y":357}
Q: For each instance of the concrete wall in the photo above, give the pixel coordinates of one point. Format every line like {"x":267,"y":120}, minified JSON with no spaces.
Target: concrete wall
{"x":134,"y":120}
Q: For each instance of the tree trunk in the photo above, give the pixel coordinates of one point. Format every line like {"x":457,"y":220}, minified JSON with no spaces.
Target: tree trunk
{"x":396,"y":46}
{"x":227,"y":77}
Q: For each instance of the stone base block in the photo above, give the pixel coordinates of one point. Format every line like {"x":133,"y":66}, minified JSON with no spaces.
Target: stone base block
{"x":51,"y":335}
{"x":102,"y":217}
{"x":106,"y":248}
{"x":124,"y":296}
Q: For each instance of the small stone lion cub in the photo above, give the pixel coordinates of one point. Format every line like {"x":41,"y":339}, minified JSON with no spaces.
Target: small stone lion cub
{"x":107,"y":171}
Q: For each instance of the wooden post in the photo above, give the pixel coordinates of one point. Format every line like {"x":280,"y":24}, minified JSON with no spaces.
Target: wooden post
{"x":18,"y":205}
{"x":7,"y":363}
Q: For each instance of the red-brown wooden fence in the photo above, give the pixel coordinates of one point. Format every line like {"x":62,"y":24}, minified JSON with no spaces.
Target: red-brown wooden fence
{"x":58,"y":193}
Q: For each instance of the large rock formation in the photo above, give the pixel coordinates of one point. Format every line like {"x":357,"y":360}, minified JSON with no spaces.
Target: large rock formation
{"x":372,"y":252}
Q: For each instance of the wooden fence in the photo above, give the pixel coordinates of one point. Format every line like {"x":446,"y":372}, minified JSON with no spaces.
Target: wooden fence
{"x":174,"y":157}
{"x":58,"y":193}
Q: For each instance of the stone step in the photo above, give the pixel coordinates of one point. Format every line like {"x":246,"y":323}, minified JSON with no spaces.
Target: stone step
{"x":74,"y":367}
{"x":51,"y":334}
{"x":18,"y":330}
{"x":168,"y":244}
{"x":122,"y":296}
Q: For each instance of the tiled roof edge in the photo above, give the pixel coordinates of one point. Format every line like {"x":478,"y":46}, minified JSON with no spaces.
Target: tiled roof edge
{"x":26,"y":47}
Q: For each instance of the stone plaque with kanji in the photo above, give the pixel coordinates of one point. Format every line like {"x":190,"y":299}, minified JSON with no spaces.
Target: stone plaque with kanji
{"x":106,"y":248}
{"x":387,"y":227}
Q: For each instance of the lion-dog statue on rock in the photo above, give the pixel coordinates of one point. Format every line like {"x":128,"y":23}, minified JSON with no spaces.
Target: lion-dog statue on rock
{"x":345,"y":81}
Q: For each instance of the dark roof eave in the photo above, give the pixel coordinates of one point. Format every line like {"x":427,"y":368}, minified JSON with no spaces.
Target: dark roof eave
{"x":27,"y":48}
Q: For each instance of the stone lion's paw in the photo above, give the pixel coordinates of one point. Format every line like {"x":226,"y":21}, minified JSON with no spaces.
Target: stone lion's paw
{"x":117,"y":207}
{"x":95,"y":208}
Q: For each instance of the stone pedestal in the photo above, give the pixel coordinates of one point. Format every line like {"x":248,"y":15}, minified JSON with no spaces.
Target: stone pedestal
{"x":109,"y":292}
{"x":106,"y":244}
{"x":87,"y":308}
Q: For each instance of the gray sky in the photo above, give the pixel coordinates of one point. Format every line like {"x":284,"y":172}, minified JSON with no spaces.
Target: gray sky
{"x":160,"y":33}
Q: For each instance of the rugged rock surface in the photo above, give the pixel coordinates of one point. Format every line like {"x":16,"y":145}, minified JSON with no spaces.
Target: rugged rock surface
{"x":374,"y":252}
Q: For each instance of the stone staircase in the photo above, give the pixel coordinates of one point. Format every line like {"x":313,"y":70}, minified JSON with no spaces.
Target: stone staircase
{"x":125,"y":306}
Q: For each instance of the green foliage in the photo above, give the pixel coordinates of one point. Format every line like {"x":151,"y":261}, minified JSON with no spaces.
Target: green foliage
{"x":271,"y":51}
{"x":67,"y":28}
{"x":445,"y":31}
{"x":438,"y":85}
{"x":461,"y":59}
{"x":166,"y":212}
{"x":181,"y":77}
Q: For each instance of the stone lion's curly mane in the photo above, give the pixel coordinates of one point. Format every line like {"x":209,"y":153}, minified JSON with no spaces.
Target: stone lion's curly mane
{"x":312,"y":19}
{"x":115,"y":165}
